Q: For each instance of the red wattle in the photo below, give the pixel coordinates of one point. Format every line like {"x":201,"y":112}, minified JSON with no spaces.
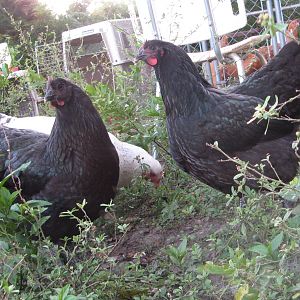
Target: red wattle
{"x":152,"y":61}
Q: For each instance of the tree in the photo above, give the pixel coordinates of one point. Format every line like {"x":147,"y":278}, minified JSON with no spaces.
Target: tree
{"x":77,"y":15}
{"x":110,"y":10}
{"x":26,"y":16}
{"x":19,"y":10}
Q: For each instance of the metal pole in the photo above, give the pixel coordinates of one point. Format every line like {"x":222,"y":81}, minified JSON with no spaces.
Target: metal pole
{"x":36,"y":58}
{"x":273,"y":38}
{"x":153,"y":21}
{"x":279,"y":19}
{"x":157,"y":92}
{"x":213,"y":32}
{"x":207,"y":71}
{"x":217,"y":72}
{"x":239,"y":65}
{"x":34,"y":100}
{"x":65,"y":56}
{"x":154,"y":151}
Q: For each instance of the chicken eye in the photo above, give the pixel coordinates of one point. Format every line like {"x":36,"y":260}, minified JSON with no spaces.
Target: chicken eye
{"x":60,"y":86}
{"x":152,"y":47}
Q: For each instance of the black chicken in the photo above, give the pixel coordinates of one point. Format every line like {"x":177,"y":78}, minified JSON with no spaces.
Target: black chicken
{"x":77,"y":161}
{"x":198,"y":114}
{"x":280,"y":77}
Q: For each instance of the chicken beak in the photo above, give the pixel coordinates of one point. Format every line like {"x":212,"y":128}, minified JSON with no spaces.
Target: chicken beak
{"x":156,"y":183}
{"x":155,"y":178}
{"x":49,"y":96}
{"x":141,"y":55}
{"x":49,"y":91}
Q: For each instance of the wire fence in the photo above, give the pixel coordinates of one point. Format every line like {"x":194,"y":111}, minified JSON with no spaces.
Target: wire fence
{"x":49,"y":58}
{"x":283,"y":11}
{"x":288,"y":9}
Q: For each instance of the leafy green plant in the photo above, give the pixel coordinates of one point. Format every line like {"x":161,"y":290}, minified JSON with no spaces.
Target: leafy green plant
{"x":269,"y":250}
{"x":16,"y":217}
{"x":178,"y":254}
{"x":64,"y":294}
{"x":270,"y":25}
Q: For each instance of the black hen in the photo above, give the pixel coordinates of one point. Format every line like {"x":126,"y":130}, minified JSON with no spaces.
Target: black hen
{"x":198,"y":114}
{"x":280,"y":77}
{"x":77,"y":161}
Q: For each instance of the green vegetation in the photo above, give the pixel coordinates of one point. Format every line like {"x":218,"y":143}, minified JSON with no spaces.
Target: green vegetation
{"x":35,"y":17}
{"x":182,"y":240}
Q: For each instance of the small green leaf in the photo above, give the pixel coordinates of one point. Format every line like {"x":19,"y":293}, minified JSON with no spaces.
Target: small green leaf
{"x":182,"y":246}
{"x":237,"y":176}
{"x":296,"y":296}
{"x":296,"y":210}
{"x":280,"y":27}
{"x":260,"y":249}
{"x":276,"y":242}
{"x":37,"y":225}
{"x":5,"y":69}
{"x":252,"y":294}
{"x":211,"y":268}
{"x":294,"y":222}
{"x":295,"y":288}
{"x":244,"y":230}
{"x":90,"y":89}
{"x":241,"y":292}
{"x":38,"y":203}
{"x":62,"y":294}
{"x":4,"y":245}
{"x":20,"y":169}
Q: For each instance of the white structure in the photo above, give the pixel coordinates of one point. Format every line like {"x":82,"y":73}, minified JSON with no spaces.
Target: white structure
{"x":184,"y":22}
{"x":187,"y":21}
{"x":5,"y":57}
{"x":112,"y":36}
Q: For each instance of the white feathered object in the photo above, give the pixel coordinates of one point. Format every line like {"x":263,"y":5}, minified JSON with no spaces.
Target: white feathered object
{"x":134,"y":161}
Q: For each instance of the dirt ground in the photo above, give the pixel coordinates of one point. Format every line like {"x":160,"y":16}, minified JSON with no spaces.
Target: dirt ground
{"x":147,"y":239}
